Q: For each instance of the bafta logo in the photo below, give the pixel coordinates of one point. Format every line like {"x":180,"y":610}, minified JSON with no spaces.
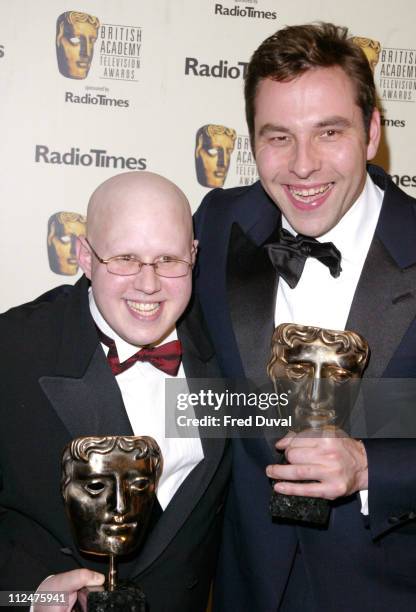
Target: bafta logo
{"x":320,"y":369}
{"x":63,"y":230}
{"x":76,"y":34}
{"x":213,"y":149}
{"x":109,"y":488}
{"x":371,"y":49}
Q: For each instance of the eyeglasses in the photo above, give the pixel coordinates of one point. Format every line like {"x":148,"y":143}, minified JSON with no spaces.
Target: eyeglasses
{"x":128,"y":265}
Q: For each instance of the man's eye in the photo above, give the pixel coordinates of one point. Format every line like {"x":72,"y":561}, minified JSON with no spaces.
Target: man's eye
{"x":330,"y":133}
{"x":74,"y":40}
{"x":65,"y":239}
{"x":279,"y":140}
{"x":212,"y":152}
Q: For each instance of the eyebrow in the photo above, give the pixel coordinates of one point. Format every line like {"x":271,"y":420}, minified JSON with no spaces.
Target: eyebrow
{"x":336,"y":121}
{"x":272,"y":127}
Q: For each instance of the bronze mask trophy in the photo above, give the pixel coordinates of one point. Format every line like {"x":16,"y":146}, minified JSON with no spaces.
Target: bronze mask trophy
{"x":108,"y":486}
{"x":319,"y":369}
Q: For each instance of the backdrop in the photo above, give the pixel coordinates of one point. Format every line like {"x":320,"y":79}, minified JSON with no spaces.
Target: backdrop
{"x":92,"y":88}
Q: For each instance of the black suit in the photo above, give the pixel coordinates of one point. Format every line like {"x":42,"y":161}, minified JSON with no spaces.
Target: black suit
{"x":56,"y":385}
{"x":355,"y":564}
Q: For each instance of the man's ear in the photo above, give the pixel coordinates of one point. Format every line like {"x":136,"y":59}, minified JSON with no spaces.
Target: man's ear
{"x":374,"y":133}
{"x":84,"y":256}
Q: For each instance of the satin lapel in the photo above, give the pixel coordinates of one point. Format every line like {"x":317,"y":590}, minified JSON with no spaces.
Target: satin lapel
{"x":91,"y":404}
{"x":83,"y":391}
{"x":251,"y":289}
{"x":199,"y":362}
{"x":383,"y":324}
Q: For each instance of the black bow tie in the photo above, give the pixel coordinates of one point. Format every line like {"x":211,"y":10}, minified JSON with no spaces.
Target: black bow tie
{"x":289,"y":255}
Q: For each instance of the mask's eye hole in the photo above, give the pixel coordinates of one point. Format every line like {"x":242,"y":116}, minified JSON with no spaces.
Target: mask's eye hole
{"x":140,"y":484}
{"x":296,"y":371}
{"x":95,"y":487}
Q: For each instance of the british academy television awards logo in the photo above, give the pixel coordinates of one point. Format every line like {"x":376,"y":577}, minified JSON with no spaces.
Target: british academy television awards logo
{"x":392,"y":89}
{"x":76,"y":34}
{"x":396,"y":71}
{"x":214,"y":145}
{"x":63,"y":230}
{"x":371,"y":49}
{"x":88,"y":49}
{"x":245,"y":164}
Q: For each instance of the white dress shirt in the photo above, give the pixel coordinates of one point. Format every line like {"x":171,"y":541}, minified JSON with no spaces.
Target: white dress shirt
{"x":319,"y":299}
{"x":142,"y":388}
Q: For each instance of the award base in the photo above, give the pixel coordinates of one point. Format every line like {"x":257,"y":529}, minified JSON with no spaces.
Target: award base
{"x":124,"y":598}
{"x":297,"y":508}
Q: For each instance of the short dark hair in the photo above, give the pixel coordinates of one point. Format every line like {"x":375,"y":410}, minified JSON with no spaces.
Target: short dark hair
{"x":294,"y":50}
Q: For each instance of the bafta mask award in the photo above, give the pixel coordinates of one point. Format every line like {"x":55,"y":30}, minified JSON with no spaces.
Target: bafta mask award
{"x":108,"y":486}
{"x":320,"y":369}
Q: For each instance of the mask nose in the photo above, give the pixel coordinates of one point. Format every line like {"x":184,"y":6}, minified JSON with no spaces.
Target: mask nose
{"x":73,"y":250}
{"x":121,"y":498}
{"x":220,"y":158}
{"x":86,"y":47}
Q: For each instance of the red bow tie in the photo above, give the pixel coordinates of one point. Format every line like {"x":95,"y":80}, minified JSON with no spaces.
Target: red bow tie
{"x":165,"y":357}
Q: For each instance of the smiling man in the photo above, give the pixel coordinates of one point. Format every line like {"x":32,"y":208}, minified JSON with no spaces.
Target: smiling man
{"x":92,"y":360}
{"x":341,"y":254}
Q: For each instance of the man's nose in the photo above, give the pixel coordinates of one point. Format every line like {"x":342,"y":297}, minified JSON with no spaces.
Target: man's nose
{"x":305,"y":159}
{"x":147,"y":280}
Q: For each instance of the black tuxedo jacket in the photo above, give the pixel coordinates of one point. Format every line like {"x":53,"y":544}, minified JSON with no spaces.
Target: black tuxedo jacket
{"x":56,"y":385}
{"x":355,"y":563}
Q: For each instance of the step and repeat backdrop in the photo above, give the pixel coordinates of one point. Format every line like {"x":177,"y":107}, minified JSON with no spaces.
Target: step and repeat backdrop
{"x":93,"y":88}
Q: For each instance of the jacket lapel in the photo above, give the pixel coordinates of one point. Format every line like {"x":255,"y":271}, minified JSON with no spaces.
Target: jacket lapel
{"x":382,"y":277}
{"x":85,"y":407}
{"x":83,"y":391}
{"x":390,"y":272}
{"x":252,"y":286}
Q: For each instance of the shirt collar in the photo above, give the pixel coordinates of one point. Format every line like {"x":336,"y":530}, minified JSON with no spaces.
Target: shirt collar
{"x":124,"y":349}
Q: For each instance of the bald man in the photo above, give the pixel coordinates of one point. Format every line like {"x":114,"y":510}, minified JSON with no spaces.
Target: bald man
{"x":57,"y":384}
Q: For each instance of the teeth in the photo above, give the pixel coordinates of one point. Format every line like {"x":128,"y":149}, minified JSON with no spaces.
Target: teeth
{"x":146,"y":308}
{"x":305,"y":193}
